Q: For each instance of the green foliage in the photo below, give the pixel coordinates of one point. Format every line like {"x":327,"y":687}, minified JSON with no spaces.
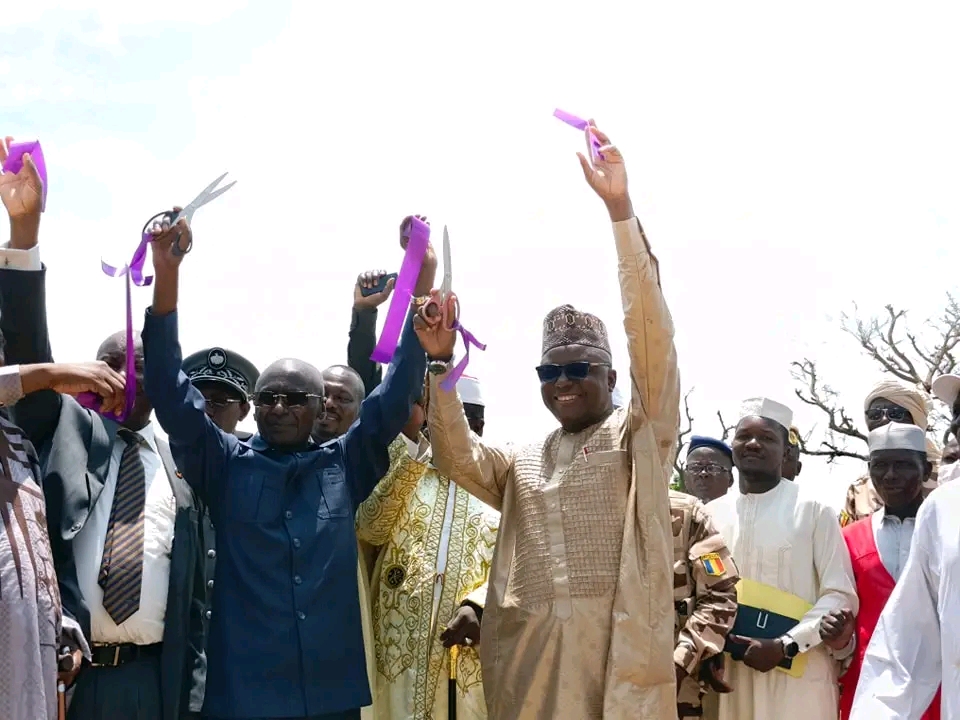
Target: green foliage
{"x":676,"y":482}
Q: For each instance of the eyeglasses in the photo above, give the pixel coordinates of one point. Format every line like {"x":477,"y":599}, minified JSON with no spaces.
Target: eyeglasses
{"x":220,"y":403}
{"x":895,"y":414}
{"x":572,"y":371}
{"x":709,"y":469}
{"x":296,"y":398}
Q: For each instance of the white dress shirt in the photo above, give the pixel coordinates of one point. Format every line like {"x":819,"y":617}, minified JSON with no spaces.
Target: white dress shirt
{"x":916,"y":645}
{"x":893,"y":538}
{"x":145,"y":626}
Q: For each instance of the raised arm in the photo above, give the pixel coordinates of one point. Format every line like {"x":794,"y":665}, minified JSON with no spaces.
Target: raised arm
{"x":902,"y":666}
{"x":363,"y":328}
{"x":831,"y":560}
{"x":200,"y":448}
{"x":383,"y":415}
{"x":379,"y":513}
{"x":23,"y":310}
{"x":461,"y":455}
{"x":386,"y":410}
{"x":654,"y":376}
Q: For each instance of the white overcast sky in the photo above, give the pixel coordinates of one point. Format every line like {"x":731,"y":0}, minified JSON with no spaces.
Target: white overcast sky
{"x":786,"y":160}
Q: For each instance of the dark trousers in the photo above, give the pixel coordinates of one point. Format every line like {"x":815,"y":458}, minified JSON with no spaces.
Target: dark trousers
{"x":348,"y":715}
{"x":128,"y":692}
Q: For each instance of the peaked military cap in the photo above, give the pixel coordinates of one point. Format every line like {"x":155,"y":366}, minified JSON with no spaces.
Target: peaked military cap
{"x":222,"y":366}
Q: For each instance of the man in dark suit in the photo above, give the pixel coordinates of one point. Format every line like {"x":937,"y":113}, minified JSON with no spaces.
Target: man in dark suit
{"x":115,"y":503}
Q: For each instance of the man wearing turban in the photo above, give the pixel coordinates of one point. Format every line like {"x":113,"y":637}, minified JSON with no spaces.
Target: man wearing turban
{"x":579,"y":616}
{"x":890,"y":401}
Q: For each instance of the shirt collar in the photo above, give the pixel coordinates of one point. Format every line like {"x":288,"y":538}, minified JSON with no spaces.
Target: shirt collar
{"x":149,"y":436}
{"x":882,"y":517}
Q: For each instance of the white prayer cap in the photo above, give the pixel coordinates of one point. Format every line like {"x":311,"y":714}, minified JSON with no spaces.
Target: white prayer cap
{"x":469,"y":390}
{"x":946,"y":388}
{"x":769,"y":409}
{"x":617,"y":398}
{"x":898,"y":436}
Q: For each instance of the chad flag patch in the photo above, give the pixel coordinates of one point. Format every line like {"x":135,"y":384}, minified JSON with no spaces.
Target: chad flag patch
{"x":712,"y":565}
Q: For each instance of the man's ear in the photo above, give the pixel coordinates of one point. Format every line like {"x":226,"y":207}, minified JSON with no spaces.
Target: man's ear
{"x":611,"y":379}
{"x":927,"y":470}
{"x":244,"y":410}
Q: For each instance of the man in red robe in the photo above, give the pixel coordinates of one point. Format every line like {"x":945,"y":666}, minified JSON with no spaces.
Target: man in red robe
{"x":880,"y":543}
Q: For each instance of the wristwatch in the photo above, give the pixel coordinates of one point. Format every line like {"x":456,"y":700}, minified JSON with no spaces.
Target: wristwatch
{"x":790,"y":647}
{"x":439,"y":367}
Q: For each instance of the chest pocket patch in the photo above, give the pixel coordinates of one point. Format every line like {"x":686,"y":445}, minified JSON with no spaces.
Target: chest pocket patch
{"x":335,"y":495}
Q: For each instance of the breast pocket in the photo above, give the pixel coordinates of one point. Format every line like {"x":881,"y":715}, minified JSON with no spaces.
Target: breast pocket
{"x":776,"y":564}
{"x":335,"y":501}
{"x":252,"y":499}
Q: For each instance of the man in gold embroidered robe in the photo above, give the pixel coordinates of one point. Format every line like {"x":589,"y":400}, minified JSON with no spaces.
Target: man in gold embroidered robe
{"x":579,"y":616}
{"x":435,"y":546}
{"x":432,"y":545}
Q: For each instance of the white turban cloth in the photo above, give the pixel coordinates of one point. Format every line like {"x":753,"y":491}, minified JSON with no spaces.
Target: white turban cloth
{"x":914,"y":401}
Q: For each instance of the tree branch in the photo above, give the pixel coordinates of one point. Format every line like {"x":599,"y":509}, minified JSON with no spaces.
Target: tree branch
{"x":727,"y":429}
{"x":682,"y":434}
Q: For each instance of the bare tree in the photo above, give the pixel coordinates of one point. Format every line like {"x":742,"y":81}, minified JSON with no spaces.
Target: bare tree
{"x":916,"y":356}
{"x":727,"y":429}
{"x":682,"y":433}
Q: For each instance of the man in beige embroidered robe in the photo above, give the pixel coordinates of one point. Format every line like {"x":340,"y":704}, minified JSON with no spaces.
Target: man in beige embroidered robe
{"x":579,"y":619}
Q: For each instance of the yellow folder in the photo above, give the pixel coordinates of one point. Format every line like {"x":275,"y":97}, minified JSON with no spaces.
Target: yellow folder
{"x":768,"y":612}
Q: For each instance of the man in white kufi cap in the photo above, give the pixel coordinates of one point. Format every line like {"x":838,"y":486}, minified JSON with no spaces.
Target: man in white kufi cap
{"x":879,"y":544}
{"x":915,"y":647}
{"x":788,"y":548}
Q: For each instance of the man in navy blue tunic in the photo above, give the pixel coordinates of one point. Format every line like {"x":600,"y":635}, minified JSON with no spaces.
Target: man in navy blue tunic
{"x":285,"y":637}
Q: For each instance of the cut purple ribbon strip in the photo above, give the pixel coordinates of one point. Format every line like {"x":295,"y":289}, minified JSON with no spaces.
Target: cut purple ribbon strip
{"x":580,"y":124}
{"x":418,"y":235}
{"x":14,"y":163}
{"x":133,"y":272}
{"x":450,"y":381}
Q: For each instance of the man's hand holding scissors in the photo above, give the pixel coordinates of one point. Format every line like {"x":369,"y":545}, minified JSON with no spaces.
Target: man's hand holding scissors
{"x":22,"y":195}
{"x":169,"y":245}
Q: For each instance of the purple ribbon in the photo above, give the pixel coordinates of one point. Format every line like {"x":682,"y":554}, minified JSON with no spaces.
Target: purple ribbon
{"x":418,"y":234}
{"x":14,"y":163}
{"x":580,"y":124}
{"x":133,"y":272}
{"x":450,"y":381}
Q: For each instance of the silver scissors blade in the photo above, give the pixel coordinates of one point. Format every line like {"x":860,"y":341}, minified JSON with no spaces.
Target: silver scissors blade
{"x":447,"y":286}
{"x":204,"y":197}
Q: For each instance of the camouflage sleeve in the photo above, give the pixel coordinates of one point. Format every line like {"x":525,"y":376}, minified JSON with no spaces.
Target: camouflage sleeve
{"x":715,"y":575}
{"x":849,"y":512}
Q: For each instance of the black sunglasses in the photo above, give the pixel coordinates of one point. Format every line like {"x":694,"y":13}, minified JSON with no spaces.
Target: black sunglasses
{"x":895,"y":414}
{"x":572,"y":371}
{"x":296,"y":398}
{"x":221,"y":403}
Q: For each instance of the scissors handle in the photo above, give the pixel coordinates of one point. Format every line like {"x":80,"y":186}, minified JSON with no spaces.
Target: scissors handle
{"x":439,"y":305}
{"x":168,"y":216}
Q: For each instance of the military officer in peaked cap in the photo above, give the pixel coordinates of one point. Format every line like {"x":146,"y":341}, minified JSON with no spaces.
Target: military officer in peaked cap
{"x":226,"y":380}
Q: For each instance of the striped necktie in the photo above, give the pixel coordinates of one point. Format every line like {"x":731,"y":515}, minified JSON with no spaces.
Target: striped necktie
{"x":121,"y":569}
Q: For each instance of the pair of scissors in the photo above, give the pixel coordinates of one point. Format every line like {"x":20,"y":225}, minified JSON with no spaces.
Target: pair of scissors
{"x":445,"y":290}
{"x":170,"y":217}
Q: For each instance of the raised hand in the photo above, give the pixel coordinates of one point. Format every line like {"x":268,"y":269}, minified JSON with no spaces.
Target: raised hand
{"x":22,"y":195}
{"x":436,"y":339}
{"x":370,"y":279}
{"x":170,"y":243}
{"x":606,"y":174}
{"x":428,"y":271}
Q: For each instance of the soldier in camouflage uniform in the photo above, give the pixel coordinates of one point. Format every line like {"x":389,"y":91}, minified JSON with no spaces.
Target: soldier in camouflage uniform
{"x":705,"y":596}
